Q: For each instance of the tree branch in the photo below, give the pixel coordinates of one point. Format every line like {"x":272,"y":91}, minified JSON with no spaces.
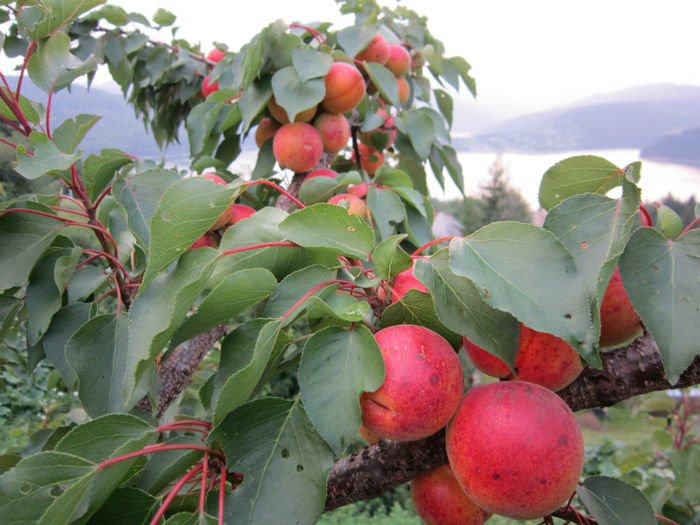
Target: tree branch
{"x":627,"y":372}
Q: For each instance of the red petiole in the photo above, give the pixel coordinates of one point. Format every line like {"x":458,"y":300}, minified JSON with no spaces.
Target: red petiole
{"x":158,"y":448}
{"x":278,"y":188}
{"x":431,"y":243}
{"x":314,"y":290}
{"x":259,"y":246}
{"x":171,"y":495}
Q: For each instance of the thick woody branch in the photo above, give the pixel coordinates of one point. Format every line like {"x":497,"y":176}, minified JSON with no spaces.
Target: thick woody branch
{"x":627,"y":372}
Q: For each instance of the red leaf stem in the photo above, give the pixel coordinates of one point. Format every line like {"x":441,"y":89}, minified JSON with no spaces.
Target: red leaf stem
{"x":222,"y":495}
{"x":158,"y":448}
{"x":48,"y":113}
{"x":646,"y":218}
{"x":171,"y":495}
{"x":8,"y":143}
{"x":203,"y":491}
{"x":278,"y":188}
{"x":102,"y":196}
{"x":110,"y":257}
{"x":261,"y":245}
{"x":431,"y":243}
{"x":314,"y":290}
{"x":689,"y":227}
{"x":198,"y":422}
{"x":66,"y":210}
{"x":30,"y":49}
{"x":119,"y":293}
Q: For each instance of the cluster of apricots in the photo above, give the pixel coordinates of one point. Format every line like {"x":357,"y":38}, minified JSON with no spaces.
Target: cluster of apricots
{"x":300,"y":141}
{"x":514,"y":447}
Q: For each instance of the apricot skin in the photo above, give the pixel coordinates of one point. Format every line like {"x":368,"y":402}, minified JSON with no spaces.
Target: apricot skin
{"x":240,"y":212}
{"x":208,"y":239}
{"x":404,"y":90}
{"x":370,"y":159}
{"x":355,"y":205}
{"x":335,"y":131}
{"x":399,"y":60}
{"x":322,"y":172}
{"x":225,"y":217}
{"x":345,"y":88}
{"x":422,"y":385}
{"x":208,"y":88}
{"x":618,"y":321}
{"x":266,"y":130}
{"x":516,"y":449}
{"x":440,"y":500}
{"x":405,"y":281}
{"x":297,"y":146}
{"x":215,"y":55}
{"x":542,"y":358}
{"x":377,"y":51}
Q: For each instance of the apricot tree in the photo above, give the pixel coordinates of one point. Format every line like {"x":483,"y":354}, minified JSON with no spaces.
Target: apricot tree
{"x":190,"y":296}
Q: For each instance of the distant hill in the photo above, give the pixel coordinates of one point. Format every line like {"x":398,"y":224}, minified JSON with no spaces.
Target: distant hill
{"x":681,"y":148}
{"x":118,"y":128}
{"x":631,"y":119}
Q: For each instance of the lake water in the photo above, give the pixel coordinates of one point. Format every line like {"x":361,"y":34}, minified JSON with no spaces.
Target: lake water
{"x":525,"y":172}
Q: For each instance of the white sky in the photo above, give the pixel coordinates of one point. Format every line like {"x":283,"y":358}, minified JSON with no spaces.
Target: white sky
{"x":526,"y":55}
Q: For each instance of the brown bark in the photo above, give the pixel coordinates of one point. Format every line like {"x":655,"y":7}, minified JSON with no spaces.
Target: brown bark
{"x":627,"y":372}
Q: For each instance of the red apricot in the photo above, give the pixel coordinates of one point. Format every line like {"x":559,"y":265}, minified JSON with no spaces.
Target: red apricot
{"x":215,"y":55}
{"x":297,"y":146}
{"x":358,"y":190}
{"x":354,"y":204}
{"x":542,"y":358}
{"x":207,"y":88}
{"x":421,"y":388}
{"x":370,"y":437}
{"x":370,"y":158}
{"x":376,"y":51}
{"x":618,"y":321}
{"x":208,"y":239}
{"x":240,"y":212}
{"x":440,"y":500}
{"x":484,"y":361}
{"x":280,"y":114}
{"x":322,"y":172}
{"x":345,"y":88}
{"x":335,"y":131}
{"x":405,"y":281}
{"x":382,"y":136}
{"x":516,"y":449}
{"x":399,"y":61}
{"x":404,"y":90}
{"x":266,"y":130}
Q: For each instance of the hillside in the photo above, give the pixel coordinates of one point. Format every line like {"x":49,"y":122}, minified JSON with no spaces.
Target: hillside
{"x":631,"y":119}
{"x":682,"y":148}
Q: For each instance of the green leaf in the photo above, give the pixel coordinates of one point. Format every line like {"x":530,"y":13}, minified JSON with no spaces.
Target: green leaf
{"x":385,"y":81}
{"x":184,"y":213}
{"x":9,"y":306}
{"x":64,"y":324}
{"x":200,"y":124}
{"x":293,"y":287}
{"x":460,"y":307}
{"x":99,"y":170}
{"x":139,"y":197}
{"x":595,"y":229}
{"x":24,"y":237}
{"x":454,"y":168}
{"x":126,"y":506}
{"x":354,"y":39}
{"x":416,"y":307}
{"x":52,"y":66}
{"x":43,"y":294}
{"x":310,"y":63}
{"x":33,"y":111}
{"x":284,"y":461}
{"x":236,"y":293}
{"x":320,"y":189}
{"x":527,"y":271}
{"x":166,"y":466}
{"x":387,"y":209}
{"x":352,"y":362}
{"x":98,"y":439}
{"x":54,"y":14}
{"x":157,"y":312}
{"x":71,"y":131}
{"x":686,"y":470}
{"x":662,"y":279}
{"x":29,"y":488}
{"x":575,"y":175}
{"x":612,"y":502}
{"x":338,"y":306}
{"x":163,"y":17}
{"x":98,"y":352}
{"x":421,"y":132}
{"x":261,"y":227}
{"x":294,"y":94}
{"x":463,"y":68}
{"x":254,"y":99}
{"x":445,"y":104}
{"x":240,"y":385}
{"x":342,"y":232}
{"x":668,"y":222}
{"x":389,"y":259}
{"x":45,"y":159}
{"x":417,"y":227}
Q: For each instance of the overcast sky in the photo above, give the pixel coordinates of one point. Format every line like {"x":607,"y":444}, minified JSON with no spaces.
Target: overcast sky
{"x":526,"y":54}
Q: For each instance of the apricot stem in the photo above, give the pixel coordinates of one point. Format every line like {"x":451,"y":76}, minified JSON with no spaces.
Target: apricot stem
{"x":431,"y":243}
{"x":171,"y":495}
{"x":203,"y":491}
{"x":222,"y":494}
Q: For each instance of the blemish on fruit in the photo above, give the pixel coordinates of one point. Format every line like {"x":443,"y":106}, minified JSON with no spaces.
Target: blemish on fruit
{"x":563,"y":440}
{"x":351,"y":228}
{"x":496,"y":476}
{"x":434,"y":379}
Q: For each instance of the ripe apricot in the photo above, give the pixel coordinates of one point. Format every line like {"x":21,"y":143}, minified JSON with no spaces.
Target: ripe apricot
{"x":440,"y":500}
{"x":516,"y":449}
{"x":618,"y":321}
{"x":422,"y":384}
{"x":240,"y":212}
{"x":345,"y":88}
{"x":370,"y":158}
{"x":209,"y":87}
{"x":399,"y":61}
{"x":280,"y":114}
{"x":225,"y":217}
{"x":376,"y":51}
{"x":297,"y":146}
{"x":335,"y":131}
{"x":354,"y":204}
{"x":266,"y":130}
